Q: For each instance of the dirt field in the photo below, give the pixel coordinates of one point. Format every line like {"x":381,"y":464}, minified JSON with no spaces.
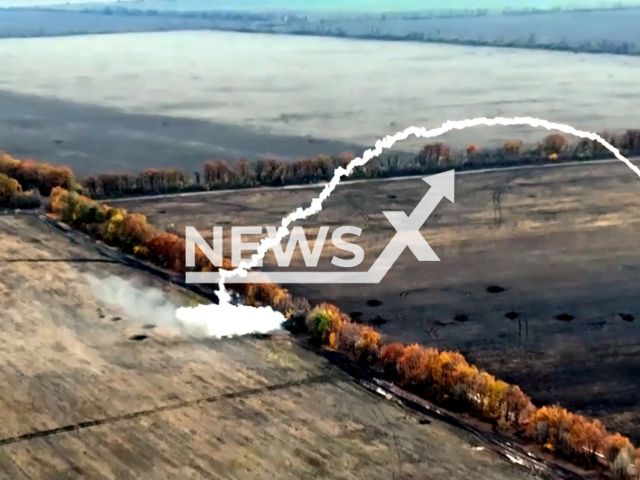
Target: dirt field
{"x":561,"y":242}
{"x":83,"y":400}
{"x":93,"y":139}
{"x":186,"y":101}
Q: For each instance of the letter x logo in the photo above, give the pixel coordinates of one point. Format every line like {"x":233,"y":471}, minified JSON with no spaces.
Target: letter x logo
{"x":408,"y":227}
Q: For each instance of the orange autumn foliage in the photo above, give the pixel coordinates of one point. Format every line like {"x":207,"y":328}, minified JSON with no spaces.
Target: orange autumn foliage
{"x":8,"y":189}
{"x":555,"y":143}
{"x":513,"y":147}
{"x":389,"y":356}
{"x":36,"y":175}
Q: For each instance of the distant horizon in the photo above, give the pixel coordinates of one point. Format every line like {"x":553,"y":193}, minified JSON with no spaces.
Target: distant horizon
{"x":333,"y":5}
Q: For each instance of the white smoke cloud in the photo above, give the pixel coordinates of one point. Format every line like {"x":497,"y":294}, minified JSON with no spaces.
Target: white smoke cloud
{"x":227,"y":320}
{"x":152,"y":306}
{"x":143,"y":305}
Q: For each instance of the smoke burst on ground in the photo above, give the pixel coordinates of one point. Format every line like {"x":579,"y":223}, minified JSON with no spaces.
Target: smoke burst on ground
{"x":147,"y":305}
{"x":228,"y":320}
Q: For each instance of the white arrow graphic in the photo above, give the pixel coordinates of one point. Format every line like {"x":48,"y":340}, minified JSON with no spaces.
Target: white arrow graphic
{"x":407,"y":235}
{"x":408,"y":228}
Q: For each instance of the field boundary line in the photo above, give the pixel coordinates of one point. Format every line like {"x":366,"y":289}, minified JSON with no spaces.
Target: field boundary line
{"x":75,"y":427}
{"x":310,"y":186}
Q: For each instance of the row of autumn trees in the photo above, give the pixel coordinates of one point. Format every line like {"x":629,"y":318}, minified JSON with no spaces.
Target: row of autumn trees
{"x":433,"y":157}
{"x":22,"y":183}
{"x":35,"y":178}
{"x":131,"y":233}
{"x":447,"y":379}
{"x":441,"y":376}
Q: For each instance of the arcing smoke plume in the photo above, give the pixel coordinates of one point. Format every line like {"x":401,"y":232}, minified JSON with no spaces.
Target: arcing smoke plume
{"x":242,"y":315}
{"x":384,"y":144}
{"x":146,"y":305}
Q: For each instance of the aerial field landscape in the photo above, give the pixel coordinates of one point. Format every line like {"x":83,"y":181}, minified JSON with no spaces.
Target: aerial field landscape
{"x":513,"y":357}
{"x":133,"y":101}
{"x":158,"y":404}
{"x":581,"y":27}
{"x":572,"y":337}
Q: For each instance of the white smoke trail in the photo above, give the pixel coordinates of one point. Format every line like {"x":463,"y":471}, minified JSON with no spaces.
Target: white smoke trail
{"x":384,"y":144}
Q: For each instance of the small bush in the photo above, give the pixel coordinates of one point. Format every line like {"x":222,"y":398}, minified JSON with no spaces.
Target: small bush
{"x":513,"y":147}
{"x":296,"y":314}
{"x":367,"y":348}
{"x":614,"y":445}
{"x":268,"y":294}
{"x":325,"y":323}
{"x":555,"y":143}
{"x":26,"y":200}
{"x":9,"y":188}
{"x":389,"y":356}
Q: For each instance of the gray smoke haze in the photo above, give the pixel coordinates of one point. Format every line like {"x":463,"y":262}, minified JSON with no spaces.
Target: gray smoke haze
{"x":144,"y":305}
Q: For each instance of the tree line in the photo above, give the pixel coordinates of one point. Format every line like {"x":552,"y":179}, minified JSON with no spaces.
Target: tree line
{"x":444,"y":377}
{"x":433,"y":158}
{"x":447,"y":379}
{"x":298,"y":24}
{"x":36,"y":179}
{"x":23,"y":183}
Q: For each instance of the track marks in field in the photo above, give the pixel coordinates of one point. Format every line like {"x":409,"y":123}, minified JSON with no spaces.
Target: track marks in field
{"x":175,"y":406}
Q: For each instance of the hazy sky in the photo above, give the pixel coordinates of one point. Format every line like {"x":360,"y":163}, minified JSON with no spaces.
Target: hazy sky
{"x":337,"y":4}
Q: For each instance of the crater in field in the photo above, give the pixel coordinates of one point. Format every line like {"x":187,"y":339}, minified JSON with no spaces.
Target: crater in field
{"x":356,"y":316}
{"x":378,"y":321}
{"x":512,"y":315}
{"x":260,"y":336}
{"x":424,"y":421}
{"x":149,"y":326}
{"x":597,"y":325}
{"x":627,"y":317}
{"x":564,"y":317}
{"x":461,"y":317}
{"x":116,"y":319}
{"x":374,"y":303}
{"x":495,"y":289}
{"x":406,"y":293}
{"x":139,"y":337}
{"x":391,"y":197}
